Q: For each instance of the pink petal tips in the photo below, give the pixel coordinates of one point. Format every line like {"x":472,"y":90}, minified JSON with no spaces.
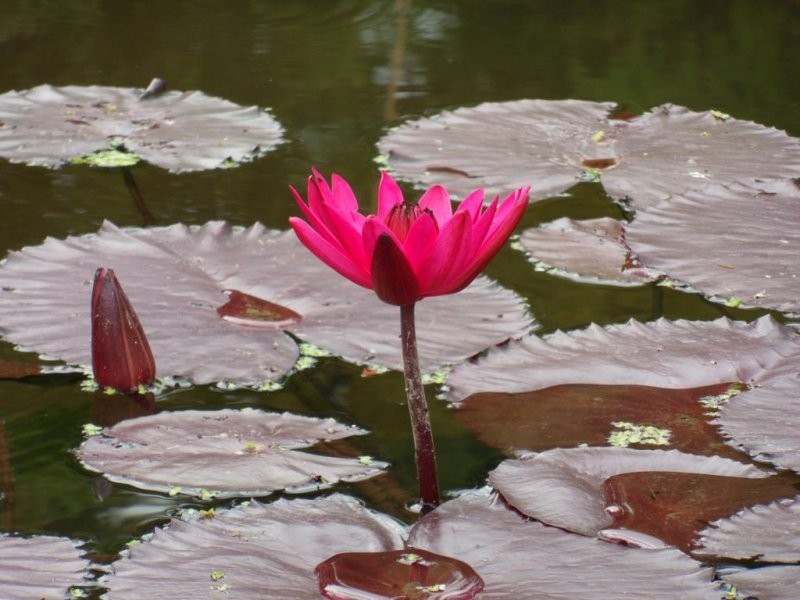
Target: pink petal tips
{"x":406,"y":251}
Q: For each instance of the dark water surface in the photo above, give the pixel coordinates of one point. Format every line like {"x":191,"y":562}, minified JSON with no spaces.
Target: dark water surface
{"x":325,"y":68}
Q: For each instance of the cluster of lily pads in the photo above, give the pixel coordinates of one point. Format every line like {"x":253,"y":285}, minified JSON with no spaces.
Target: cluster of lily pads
{"x":619,"y":503}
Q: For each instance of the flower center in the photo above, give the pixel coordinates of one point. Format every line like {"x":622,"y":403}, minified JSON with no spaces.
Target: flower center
{"x":403,"y":216}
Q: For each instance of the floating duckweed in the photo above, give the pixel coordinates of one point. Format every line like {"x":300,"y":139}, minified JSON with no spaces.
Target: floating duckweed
{"x":250,"y":447}
{"x":107,"y":158}
{"x":718,"y":114}
{"x":90,"y":430}
{"x":714,"y":403}
{"x":206,"y":494}
{"x":366,"y":459}
{"x":590,"y":175}
{"x":217,"y":575}
{"x":438,"y":377}
{"x":174,"y":491}
{"x":307,"y":349}
{"x":598,"y":136}
{"x":632,"y":433}
{"x":733,"y":302}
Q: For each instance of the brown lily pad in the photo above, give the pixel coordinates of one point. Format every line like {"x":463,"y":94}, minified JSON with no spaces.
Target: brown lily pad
{"x":564,"y":487}
{"x":675,"y":507}
{"x":514,"y":556}
{"x":737,"y":243}
{"x":552,"y":144}
{"x":179,"y":131}
{"x":40,"y":567}
{"x":544,"y":419}
{"x":15,"y":369}
{"x":176,"y":279}
{"x":223,"y":453}
{"x":591,"y":251}
{"x":410,"y":574}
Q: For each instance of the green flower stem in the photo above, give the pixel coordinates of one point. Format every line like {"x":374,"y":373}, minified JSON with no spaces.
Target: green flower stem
{"x":424,"y":452}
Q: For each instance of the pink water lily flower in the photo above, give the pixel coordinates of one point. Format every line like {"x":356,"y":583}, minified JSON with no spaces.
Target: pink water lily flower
{"x":405,"y":252}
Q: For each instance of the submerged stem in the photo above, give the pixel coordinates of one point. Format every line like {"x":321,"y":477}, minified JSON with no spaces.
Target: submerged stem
{"x":424,"y":452}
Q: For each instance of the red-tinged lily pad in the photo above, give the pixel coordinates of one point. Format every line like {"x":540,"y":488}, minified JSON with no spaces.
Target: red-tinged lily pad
{"x":43,"y":567}
{"x":15,"y":369}
{"x":767,"y":532}
{"x":515,"y":557}
{"x":591,"y":251}
{"x":669,"y":354}
{"x":178,"y":277}
{"x":409,"y":574}
{"x":674,"y":507}
{"x":735,"y":242}
{"x":223,"y":453}
{"x":180,"y":131}
{"x":552,"y":144}
{"x":564,"y":487}
{"x":620,"y":415}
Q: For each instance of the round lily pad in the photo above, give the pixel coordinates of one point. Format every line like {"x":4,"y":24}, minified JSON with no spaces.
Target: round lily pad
{"x":261,"y":558}
{"x":553,"y":144}
{"x":223,"y":453}
{"x":113,"y":126}
{"x":735,"y":242}
{"x":214,"y":301}
{"x":40,"y":567}
{"x":668,"y":354}
{"x":564,"y":487}
{"x":591,"y":251}
{"x":767,"y":532}
{"x":778,"y":582}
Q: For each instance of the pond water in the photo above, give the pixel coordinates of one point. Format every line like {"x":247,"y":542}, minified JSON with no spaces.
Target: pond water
{"x":337,"y":74}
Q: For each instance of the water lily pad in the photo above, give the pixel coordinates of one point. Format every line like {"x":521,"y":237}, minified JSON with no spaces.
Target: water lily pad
{"x":736,"y":241}
{"x":257,"y":551}
{"x":14,"y":369}
{"x":499,"y":146}
{"x":763,"y":420}
{"x":42,"y":566}
{"x":409,"y":573}
{"x":519,"y":558}
{"x":552,"y":144}
{"x":767,"y":532}
{"x":179,"y":278}
{"x":674,"y":507}
{"x":669,"y":354}
{"x":222,"y":453}
{"x":113,"y":126}
{"x":591,"y":251}
{"x":620,"y":415}
{"x":512,"y":555}
{"x":564,"y":487}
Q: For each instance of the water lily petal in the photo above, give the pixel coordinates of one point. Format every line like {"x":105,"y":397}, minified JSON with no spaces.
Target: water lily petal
{"x":446,"y":255}
{"x":497,"y":236}
{"x":389,"y":194}
{"x":330,"y":254}
{"x":437,"y":200}
{"x":419,"y":241}
{"x":345,"y":233}
{"x":393,"y":279}
{"x":313,"y":214}
{"x":343,"y":193}
{"x":473,"y":204}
